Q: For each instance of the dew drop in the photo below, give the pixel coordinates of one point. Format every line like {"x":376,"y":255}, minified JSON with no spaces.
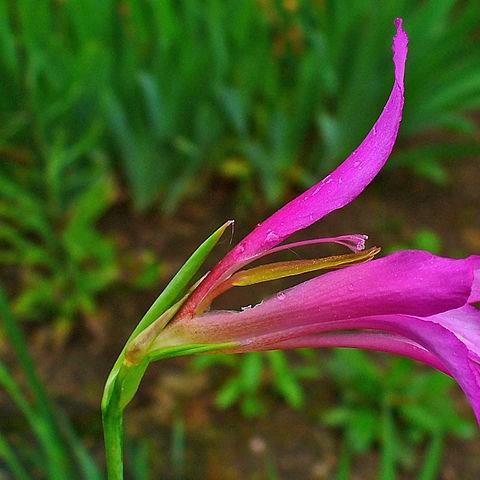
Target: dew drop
{"x":327,"y":179}
{"x":271,"y":237}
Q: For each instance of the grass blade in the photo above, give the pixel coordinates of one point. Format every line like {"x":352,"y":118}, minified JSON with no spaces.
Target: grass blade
{"x":8,"y":455}
{"x":433,"y":458}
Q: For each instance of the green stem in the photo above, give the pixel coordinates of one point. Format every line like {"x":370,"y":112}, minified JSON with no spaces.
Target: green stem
{"x":125,"y":377}
{"x":113,"y":434}
{"x":119,"y":390}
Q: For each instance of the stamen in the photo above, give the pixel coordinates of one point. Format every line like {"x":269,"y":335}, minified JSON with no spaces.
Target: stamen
{"x":275,"y":271}
{"x":355,"y":242}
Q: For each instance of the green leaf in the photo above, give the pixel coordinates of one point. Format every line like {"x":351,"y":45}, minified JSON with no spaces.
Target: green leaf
{"x":9,"y":457}
{"x":344,"y":463}
{"x":363,"y":429}
{"x":251,"y":371}
{"x":433,"y":458}
{"x":252,"y":406}
{"x":285,"y":380}
{"x":229,"y":393}
{"x":389,"y":446}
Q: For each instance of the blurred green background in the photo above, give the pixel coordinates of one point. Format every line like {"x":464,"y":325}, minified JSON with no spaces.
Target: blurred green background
{"x":128,"y":131}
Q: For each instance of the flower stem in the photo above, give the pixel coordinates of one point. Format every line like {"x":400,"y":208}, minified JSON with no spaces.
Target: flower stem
{"x":113,"y":433}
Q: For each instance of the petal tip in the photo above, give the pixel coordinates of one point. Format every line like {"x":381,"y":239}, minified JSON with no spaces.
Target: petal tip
{"x":400,"y":35}
{"x":400,"y":49}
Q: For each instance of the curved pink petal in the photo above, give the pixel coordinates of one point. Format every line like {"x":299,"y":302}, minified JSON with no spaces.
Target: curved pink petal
{"x":335,"y":191}
{"x":410,"y":282}
{"x":446,"y":346}
{"x":465,"y":324}
{"x":475,"y":296}
{"x":346,"y":182}
{"x":365,"y":340}
{"x":418,"y":338}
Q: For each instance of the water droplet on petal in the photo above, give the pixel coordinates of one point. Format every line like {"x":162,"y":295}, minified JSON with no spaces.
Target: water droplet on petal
{"x":271,"y":237}
{"x":281,"y":296}
{"x":327,"y":179}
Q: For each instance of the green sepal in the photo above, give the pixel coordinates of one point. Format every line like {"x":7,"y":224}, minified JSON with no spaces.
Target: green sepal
{"x":173,"y":291}
{"x":129,"y":377}
{"x":180,"y":282}
{"x":190,"y":349}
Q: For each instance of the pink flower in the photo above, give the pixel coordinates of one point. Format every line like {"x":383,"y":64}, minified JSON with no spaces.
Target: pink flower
{"x":410,"y":303}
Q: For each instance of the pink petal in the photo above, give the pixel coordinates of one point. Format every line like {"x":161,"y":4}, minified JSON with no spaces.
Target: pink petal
{"x":421,"y":339}
{"x":346,"y":182}
{"x":465,"y":324}
{"x":409,"y":282}
{"x":446,"y":346}
{"x":475,"y":295}
{"x":366,"y":340}
{"x":335,"y":191}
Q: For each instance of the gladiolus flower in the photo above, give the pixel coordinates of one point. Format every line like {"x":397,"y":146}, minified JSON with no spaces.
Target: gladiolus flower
{"x":410,"y":303}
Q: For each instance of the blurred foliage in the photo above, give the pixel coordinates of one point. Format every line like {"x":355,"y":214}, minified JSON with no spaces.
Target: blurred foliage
{"x":56,"y":452}
{"x":252,"y":375}
{"x":422,"y":239}
{"x":416,"y":408}
{"x":48,"y":215}
{"x":273,"y":90}
{"x":41,"y":441}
